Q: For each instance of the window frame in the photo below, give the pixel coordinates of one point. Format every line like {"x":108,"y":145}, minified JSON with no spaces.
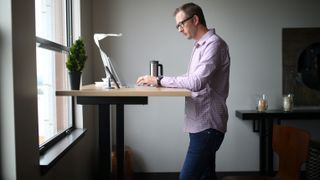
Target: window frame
{"x":57,"y":146}
{"x":52,"y":46}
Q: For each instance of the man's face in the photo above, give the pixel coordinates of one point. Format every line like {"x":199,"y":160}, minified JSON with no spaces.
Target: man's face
{"x":185,"y":25}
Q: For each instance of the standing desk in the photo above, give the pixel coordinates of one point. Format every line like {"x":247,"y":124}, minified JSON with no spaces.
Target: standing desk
{"x":103,"y":98}
{"x":263,"y":124}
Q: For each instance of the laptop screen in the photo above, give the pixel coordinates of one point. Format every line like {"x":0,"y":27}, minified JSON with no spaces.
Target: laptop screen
{"x":112,"y":77}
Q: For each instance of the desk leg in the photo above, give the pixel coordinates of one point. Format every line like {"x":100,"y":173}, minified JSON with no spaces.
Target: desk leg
{"x":266,"y":152}
{"x":262,"y":144}
{"x":104,"y":142}
{"x":269,"y":130}
{"x":120,"y":141}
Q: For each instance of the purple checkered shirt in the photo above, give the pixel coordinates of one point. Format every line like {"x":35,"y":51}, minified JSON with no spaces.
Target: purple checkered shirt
{"x":208,"y":79}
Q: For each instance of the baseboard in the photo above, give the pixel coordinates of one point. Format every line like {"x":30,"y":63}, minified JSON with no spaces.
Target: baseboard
{"x":156,"y":176}
{"x":175,"y":175}
{"x":237,"y":173}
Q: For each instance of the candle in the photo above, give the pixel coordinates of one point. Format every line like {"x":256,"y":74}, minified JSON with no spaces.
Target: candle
{"x":288,"y":102}
{"x":262,"y":104}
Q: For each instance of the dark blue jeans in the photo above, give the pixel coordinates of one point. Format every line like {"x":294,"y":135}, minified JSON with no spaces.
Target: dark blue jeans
{"x":201,"y":156}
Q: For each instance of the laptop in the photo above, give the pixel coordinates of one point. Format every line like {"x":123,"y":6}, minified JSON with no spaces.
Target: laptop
{"x":109,"y":69}
{"x":112,"y":77}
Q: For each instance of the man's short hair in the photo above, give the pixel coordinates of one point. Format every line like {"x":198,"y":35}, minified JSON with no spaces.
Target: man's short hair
{"x":191,"y":9}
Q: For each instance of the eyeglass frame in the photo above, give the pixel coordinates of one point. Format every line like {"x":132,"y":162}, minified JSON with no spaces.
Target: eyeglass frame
{"x":181,"y":23}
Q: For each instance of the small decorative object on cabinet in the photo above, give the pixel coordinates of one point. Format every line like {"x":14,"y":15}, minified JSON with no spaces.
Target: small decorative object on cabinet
{"x":287,"y":102}
{"x":262,"y":104}
{"x":75,"y":62}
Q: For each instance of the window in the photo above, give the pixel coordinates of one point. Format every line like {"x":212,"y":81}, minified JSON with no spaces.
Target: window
{"x":53,"y":31}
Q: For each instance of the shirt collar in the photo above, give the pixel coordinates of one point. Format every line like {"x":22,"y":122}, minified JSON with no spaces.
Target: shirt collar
{"x":204,"y":38}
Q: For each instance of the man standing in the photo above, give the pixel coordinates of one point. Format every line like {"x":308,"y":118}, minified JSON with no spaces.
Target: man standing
{"x":206,"y":112}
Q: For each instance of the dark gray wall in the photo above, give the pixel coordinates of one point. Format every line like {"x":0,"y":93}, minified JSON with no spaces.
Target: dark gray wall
{"x":7,"y":150}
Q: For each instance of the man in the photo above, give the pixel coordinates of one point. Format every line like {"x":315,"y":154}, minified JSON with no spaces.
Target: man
{"x":208,"y":79}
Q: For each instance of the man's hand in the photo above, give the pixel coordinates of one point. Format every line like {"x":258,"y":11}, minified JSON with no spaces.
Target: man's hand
{"x":147,"y":80}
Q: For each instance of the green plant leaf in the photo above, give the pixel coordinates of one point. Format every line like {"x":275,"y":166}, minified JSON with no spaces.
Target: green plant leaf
{"x":77,"y":56}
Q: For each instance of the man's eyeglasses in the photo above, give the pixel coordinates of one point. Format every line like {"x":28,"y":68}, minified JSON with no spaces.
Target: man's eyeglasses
{"x":181,"y":24}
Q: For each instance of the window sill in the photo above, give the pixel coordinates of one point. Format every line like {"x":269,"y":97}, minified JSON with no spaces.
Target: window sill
{"x":52,"y":155}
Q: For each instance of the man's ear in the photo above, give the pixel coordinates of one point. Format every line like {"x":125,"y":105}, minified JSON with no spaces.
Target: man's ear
{"x":195,"y":20}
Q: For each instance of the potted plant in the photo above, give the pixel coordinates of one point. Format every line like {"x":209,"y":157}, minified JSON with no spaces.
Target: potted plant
{"x":75,"y":62}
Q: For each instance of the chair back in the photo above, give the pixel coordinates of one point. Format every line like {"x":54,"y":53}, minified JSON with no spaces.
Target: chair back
{"x":291,"y":144}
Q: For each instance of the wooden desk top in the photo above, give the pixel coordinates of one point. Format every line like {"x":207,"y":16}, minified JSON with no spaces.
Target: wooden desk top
{"x":92,"y":90}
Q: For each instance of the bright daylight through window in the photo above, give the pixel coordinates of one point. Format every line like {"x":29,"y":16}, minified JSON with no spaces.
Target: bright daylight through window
{"x":54,"y":113}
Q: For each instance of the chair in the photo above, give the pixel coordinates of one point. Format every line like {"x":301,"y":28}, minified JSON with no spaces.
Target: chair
{"x":291,"y":145}
{"x":128,"y":169}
